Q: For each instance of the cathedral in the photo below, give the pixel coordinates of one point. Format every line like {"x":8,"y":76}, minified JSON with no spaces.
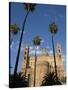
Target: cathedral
{"x":44,"y":64}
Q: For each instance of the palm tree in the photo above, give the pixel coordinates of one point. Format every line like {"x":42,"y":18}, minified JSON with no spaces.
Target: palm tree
{"x":53,"y":29}
{"x":50,"y":79}
{"x":36,"y":42}
{"x":29,"y":8}
{"x":14,"y":29}
{"x":20,"y":81}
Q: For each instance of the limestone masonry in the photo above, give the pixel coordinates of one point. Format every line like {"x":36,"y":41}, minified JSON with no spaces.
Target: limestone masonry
{"x":44,"y":64}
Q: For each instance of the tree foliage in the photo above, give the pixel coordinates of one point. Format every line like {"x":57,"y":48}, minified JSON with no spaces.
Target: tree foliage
{"x":20,"y":81}
{"x":14,"y":29}
{"x":53,"y":28}
{"x":50,"y":79}
{"x":29,"y":7}
{"x":37,"y":40}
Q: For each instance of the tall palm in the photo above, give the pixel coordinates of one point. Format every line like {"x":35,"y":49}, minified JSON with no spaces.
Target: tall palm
{"x":36,"y":42}
{"x":53,"y":29}
{"x":14,"y":29}
{"x":29,"y":8}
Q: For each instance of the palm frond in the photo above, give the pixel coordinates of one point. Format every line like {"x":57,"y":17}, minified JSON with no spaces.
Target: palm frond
{"x":29,"y":6}
{"x":14,"y":29}
{"x":50,"y":79}
{"x":53,"y":28}
{"x":37,"y":40}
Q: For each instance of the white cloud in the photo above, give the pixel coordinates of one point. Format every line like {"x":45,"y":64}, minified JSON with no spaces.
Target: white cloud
{"x":25,"y":32}
{"x":17,"y":45}
{"x":32,"y":52}
{"x":31,"y":47}
{"x":37,"y":47}
{"x":39,"y":52}
{"x":42,"y":41}
{"x":63,"y":57}
{"x":22,"y":45}
{"x":50,"y":52}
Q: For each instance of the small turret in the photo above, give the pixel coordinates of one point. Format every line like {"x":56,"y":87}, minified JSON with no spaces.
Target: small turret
{"x":44,"y":51}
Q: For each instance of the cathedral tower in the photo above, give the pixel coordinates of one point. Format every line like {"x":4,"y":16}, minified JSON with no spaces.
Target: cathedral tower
{"x":59,"y":51}
{"x":59,"y":54}
{"x":60,"y":66}
{"x":25,"y":61}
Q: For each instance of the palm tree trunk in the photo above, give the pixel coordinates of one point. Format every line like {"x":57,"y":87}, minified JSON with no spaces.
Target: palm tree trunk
{"x":35,"y":68}
{"x":54,"y":57}
{"x":27,"y":63}
{"x":18,"y":54}
{"x":10,"y":43}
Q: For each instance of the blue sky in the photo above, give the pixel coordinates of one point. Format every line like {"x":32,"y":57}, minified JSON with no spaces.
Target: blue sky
{"x":38,"y":24}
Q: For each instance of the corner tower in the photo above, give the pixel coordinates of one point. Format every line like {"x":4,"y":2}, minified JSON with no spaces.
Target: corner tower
{"x":60,"y":65}
{"x":59,"y":51}
{"x":59,"y":54}
{"x":25,"y":61}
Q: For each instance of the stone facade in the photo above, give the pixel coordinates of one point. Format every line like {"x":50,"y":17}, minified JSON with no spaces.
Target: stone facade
{"x":44,"y":64}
